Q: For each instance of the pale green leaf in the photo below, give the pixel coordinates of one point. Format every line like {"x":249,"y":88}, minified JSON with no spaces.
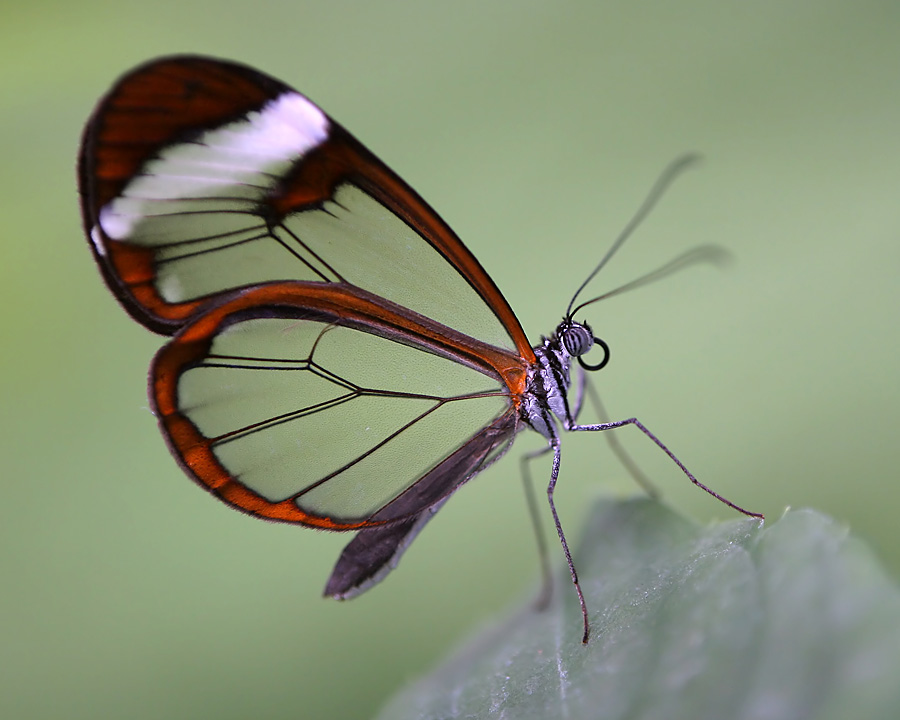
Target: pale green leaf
{"x":791,"y":619}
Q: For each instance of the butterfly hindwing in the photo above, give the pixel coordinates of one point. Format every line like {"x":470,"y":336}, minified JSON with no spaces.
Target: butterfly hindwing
{"x":322,"y":405}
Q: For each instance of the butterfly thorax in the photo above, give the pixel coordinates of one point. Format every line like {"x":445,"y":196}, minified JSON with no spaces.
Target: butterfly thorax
{"x":549,"y":378}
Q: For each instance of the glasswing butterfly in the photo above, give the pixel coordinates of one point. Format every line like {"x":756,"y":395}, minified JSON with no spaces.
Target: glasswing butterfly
{"x":339,"y":359}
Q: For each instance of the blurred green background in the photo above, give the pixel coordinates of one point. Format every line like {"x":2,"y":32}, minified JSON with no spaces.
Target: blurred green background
{"x":536,"y":129}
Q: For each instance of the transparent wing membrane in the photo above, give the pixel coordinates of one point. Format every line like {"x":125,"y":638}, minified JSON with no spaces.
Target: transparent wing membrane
{"x":203,"y":246}
{"x":369,"y":246}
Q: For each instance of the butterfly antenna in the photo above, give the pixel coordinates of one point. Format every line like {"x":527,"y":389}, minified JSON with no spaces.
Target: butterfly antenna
{"x":656,"y":192}
{"x":712,"y":254}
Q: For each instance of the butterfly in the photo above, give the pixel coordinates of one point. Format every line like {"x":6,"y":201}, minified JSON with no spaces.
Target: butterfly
{"x":338,"y":358}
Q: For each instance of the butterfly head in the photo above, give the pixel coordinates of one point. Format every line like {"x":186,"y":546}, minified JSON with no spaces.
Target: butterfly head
{"x":577,"y":339}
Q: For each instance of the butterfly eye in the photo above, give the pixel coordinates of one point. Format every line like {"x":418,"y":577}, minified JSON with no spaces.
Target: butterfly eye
{"x":577,"y":339}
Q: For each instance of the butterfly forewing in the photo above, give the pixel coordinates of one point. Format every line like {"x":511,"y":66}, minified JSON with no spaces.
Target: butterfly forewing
{"x":200,"y":177}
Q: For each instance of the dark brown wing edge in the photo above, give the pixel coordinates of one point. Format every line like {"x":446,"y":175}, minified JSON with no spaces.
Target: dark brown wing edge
{"x":374,"y":552}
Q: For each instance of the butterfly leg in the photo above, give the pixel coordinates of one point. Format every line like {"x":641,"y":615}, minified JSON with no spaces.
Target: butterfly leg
{"x":640,"y":426}
{"x":551,"y":487}
{"x":546,"y":591}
